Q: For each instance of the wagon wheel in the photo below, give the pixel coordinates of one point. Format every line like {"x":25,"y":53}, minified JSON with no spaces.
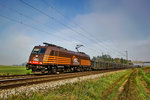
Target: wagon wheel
{"x":43,"y":71}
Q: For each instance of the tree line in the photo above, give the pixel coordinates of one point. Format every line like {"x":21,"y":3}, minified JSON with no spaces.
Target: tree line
{"x":108,"y":58}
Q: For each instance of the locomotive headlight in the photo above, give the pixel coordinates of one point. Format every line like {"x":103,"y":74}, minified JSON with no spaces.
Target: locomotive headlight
{"x":36,"y":59}
{"x":40,"y":62}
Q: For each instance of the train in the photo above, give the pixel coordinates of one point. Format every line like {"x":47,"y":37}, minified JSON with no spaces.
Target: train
{"x":51,"y":58}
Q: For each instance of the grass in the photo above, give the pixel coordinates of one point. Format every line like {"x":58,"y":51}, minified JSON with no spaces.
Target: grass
{"x":113,"y":90}
{"x":135,"y":83}
{"x":84,"y":90}
{"x":145,"y":77}
{"x":146,"y":71}
{"x":142,"y":92}
{"x":134,"y":89}
{"x":13,"y":70}
{"x":146,"y":67}
{"x":148,"y":75}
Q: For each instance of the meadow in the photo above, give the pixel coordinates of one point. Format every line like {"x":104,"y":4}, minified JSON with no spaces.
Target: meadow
{"x":13,"y":70}
{"x":100,"y":88}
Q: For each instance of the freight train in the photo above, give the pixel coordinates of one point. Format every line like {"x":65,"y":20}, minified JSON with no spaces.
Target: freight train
{"x":51,"y":59}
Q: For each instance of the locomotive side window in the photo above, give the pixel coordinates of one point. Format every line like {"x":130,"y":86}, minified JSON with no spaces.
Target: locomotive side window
{"x":35,"y":50}
{"x":52,"y":53}
{"x":42,"y":51}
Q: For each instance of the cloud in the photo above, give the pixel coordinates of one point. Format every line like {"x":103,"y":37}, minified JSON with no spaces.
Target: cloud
{"x":141,"y":49}
{"x":15,"y":48}
{"x":116,"y":24}
{"x":111,"y":27}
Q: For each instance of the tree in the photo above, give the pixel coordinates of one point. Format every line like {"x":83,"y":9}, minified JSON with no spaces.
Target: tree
{"x":117,"y":60}
{"x":103,"y":58}
{"x":122,"y":61}
{"x":108,"y":58}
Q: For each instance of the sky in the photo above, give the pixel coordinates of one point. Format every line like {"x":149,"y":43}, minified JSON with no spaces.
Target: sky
{"x":102,"y":26}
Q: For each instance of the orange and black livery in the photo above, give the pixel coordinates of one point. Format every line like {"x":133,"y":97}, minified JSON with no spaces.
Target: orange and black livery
{"x":55,"y":58}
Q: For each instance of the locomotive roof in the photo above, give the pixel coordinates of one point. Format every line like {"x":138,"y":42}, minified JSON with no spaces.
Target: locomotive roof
{"x":61,"y":48}
{"x":52,"y":45}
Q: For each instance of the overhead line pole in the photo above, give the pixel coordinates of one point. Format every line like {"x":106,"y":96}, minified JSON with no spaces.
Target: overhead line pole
{"x":126,"y":55}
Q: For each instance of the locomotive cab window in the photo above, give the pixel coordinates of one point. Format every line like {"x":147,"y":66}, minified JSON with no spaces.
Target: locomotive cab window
{"x":42,"y":51}
{"x":35,"y":50}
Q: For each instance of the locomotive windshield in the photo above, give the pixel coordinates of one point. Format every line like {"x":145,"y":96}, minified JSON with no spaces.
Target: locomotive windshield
{"x":38,"y":50}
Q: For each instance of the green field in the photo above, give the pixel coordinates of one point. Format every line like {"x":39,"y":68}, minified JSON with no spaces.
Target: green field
{"x":132,"y":84}
{"x":84,"y":90}
{"x":13,"y":70}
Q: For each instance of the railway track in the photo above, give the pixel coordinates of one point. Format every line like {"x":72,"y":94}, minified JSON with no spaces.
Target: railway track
{"x":6,"y":83}
{"x":20,"y":76}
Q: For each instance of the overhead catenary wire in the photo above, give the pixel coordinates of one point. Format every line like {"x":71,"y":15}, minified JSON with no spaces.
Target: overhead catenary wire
{"x":95,"y":39}
{"x":30,"y":26}
{"x":53,"y":18}
{"x":21,"y":22}
{"x":21,"y":14}
{"x":79,"y":33}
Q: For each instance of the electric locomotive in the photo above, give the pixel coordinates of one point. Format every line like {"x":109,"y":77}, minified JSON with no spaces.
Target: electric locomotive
{"x":51,"y":58}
